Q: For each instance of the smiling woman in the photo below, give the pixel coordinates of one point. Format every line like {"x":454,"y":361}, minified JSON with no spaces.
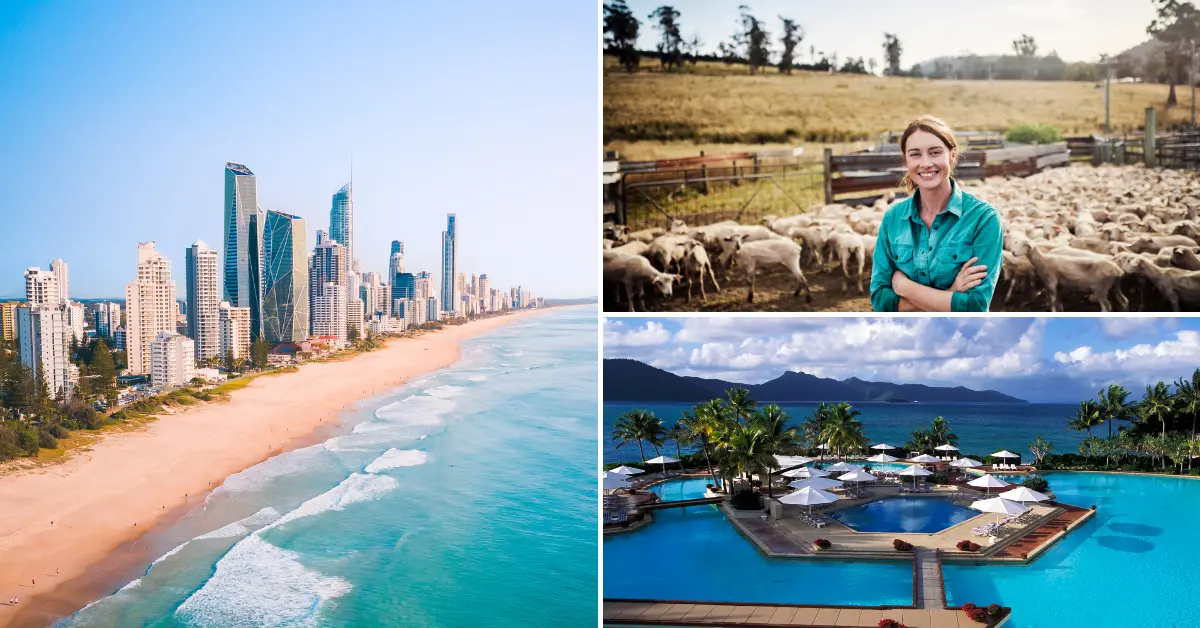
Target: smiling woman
{"x":939,"y":249}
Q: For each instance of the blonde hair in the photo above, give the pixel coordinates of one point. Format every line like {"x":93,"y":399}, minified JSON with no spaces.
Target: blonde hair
{"x":939,"y":128}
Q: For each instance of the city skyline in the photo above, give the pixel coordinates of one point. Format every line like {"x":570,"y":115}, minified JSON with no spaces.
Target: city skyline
{"x":182,"y":115}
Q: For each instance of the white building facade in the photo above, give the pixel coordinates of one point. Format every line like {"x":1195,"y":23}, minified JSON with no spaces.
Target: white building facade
{"x":172,"y":360}
{"x":45,"y":343}
{"x":233,"y":325}
{"x":150,"y":307}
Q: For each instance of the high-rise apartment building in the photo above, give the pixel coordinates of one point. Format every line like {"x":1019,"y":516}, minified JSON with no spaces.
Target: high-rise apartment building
{"x":341,"y":221}
{"x":203,"y":298}
{"x":484,"y":295}
{"x":41,"y":287}
{"x":44,"y":335}
{"x":404,"y":287}
{"x":327,"y":274}
{"x":76,"y":319}
{"x":243,"y":243}
{"x":397,"y":247}
{"x":433,"y":311}
{"x":150,"y":307}
{"x":59,"y":268}
{"x":172,"y":360}
{"x":233,"y":323}
{"x":8,"y":320}
{"x":285,"y":301}
{"x":449,"y":297}
{"x":108,"y":319}
{"x":424,"y":287}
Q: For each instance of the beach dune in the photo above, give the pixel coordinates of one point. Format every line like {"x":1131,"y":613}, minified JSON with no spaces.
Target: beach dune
{"x":95,"y":499}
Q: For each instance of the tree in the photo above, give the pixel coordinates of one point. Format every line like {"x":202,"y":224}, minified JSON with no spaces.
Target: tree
{"x":1040,"y":447}
{"x":749,"y":450}
{"x":1156,"y":405}
{"x":1177,"y":25}
{"x":939,"y":430}
{"x":1187,"y":396}
{"x":259,"y":352}
{"x":693,"y":47}
{"x":871,"y":64}
{"x":1114,"y":405}
{"x":351,"y":333}
{"x":813,"y":427}
{"x":670,"y":43}
{"x":793,"y":33}
{"x":706,"y":420}
{"x":891,"y":54}
{"x":636,"y":426}
{"x":843,"y":431}
{"x":1026,"y":50}
{"x":753,"y":39}
{"x":681,"y":436}
{"x":1087,"y":416}
{"x":105,"y":370}
{"x":229,"y":361}
{"x":740,"y":403}
{"x":773,"y":421}
{"x":621,"y":33}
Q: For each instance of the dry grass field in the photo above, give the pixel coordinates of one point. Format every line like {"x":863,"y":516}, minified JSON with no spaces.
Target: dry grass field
{"x":718,"y":108}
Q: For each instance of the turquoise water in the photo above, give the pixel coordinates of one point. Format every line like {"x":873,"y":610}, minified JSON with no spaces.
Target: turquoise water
{"x":904,"y":514}
{"x":460,"y":499}
{"x":981,"y":428}
{"x":677,"y":490}
{"x":1133,"y":564}
{"x":695,"y":554}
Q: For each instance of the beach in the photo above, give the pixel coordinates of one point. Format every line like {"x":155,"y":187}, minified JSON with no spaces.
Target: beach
{"x":59,"y":522}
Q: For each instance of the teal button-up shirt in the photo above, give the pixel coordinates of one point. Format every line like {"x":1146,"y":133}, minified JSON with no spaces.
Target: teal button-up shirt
{"x":969,"y":227}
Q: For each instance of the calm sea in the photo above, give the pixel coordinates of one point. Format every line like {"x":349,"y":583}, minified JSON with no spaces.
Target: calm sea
{"x":465,"y":498}
{"x":981,"y":428}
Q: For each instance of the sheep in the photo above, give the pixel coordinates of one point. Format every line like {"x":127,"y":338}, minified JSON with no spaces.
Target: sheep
{"x":1185,"y":258}
{"x":1154,"y":244}
{"x":762,"y":252}
{"x":608,"y":244}
{"x":814,"y":241}
{"x":633,"y":272}
{"x":695,"y":264}
{"x":1089,"y":271}
{"x":667,"y":251}
{"x":1175,"y":284}
{"x":849,"y":246}
{"x":1017,"y":270}
{"x":637,"y":247}
{"x":645,"y":235}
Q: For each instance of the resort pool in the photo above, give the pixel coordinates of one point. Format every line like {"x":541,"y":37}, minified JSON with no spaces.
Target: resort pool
{"x":904,"y":514}
{"x":678,"y":490}
{"x":695,"y":554}
{"x":1133,"y":564}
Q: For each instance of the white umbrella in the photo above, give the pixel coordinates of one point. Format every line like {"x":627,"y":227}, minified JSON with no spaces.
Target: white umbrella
{"x":819,"y":483}
{"x":843,"y":467}
{"x":1005,"y":454}
{"x":988,"y":482}
{"x":965,"y":463}
{"x":857,"y":475}
{"x":915,"y":471}
{"x":822,"y":446}
{"x":626,"y":470}
{"x":1022,"y":494}
{"x":805,"y":472}
{"x":663,"y":460}
{"x":791,"y":461}
{"x":883,"y":446}
{"x":924,"y":458}
{"x":882,"y":458}
{"x":808,"y":496}
{"x":946,"y":448}
{"x":998,"y":505}
{"x":615,"y":481}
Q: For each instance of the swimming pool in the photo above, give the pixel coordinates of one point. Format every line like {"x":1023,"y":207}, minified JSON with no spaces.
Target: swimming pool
{"x":695,"y":554}
{"x":685,"y":488}
{"x":904,"y":514}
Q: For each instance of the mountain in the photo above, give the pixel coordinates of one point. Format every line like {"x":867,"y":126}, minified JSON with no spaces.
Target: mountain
{"x":630,"y":380}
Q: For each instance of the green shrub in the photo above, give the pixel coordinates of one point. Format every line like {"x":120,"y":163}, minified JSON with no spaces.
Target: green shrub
{"x":47,"y":440}
{"x":1033,"y":134}
{"x":58,"y":431}
{"x":27,"y":441}
{"x":1036,"y":483}
{"x":747,"y":500}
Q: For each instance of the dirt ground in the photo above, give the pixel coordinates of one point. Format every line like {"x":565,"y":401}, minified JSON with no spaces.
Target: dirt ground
{"x":773,"y":290}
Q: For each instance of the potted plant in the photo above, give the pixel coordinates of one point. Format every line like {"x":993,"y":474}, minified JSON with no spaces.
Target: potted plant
{"x":902,"y":545}
{"x":993,"y":610}
{"x":978,"y":615}
{"x":821,"y":544}
{"x":890,"y":623}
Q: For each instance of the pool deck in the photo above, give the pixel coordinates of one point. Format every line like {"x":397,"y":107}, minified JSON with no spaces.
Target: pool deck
{"x":656,"y":612}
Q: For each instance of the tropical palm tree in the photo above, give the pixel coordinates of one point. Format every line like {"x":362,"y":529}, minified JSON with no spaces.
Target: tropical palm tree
{"x":773,"y":420}
{"x":705,"y":421}
{"x":939,"y":430}
{"x":1087,"y":416}
{"x":843,"y":431}
{"x":1187,"y":395}
{"x":682,"y":436}
{"x":749,"y":450}
{"x":812,"y":427}
{"x":636,"y":426}
{"x":920,"y":439}
{"x":1156,"y":405}
{"x":1115,"y":406}
{"x":740,"y":403}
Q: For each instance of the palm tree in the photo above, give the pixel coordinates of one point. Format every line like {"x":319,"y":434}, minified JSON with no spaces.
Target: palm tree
{"x":636,"y":426}
{"x":1114,"y":406}
{"x":773,"y":420}
{"x":843,"y":431}
{"x":740,"y":403}
{"x":939,"y":430}
{"x":814,"y":426}
{"x":749,"y":450}
{"x":681,"y":435}
{"x":1187,"y":394}
{"x":1156,"y":405}
{"x":1087,"y":416}
{"x":706,"y":420}
{"x":920,"y":439}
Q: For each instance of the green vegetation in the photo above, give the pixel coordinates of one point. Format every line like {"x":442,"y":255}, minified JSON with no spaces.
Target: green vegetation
{"x":925,"y":439}
{"x":1033,"y":134}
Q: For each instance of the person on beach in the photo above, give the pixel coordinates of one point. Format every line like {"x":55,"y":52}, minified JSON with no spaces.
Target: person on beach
{"x":939,"y":249}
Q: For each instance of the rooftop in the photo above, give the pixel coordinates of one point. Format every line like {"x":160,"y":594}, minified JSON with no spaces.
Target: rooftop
{"x":237,"y":168}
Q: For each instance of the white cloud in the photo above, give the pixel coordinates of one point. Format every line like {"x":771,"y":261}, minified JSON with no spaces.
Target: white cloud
{"x":618,"y":334}
{"x":1166,"y":361}
{"x":1121,"y":326}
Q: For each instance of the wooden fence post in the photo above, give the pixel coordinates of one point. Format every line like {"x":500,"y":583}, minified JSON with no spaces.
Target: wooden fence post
{"x":1148,"y":146}
{"x":703,"y":177}
{"x":828,"y":175}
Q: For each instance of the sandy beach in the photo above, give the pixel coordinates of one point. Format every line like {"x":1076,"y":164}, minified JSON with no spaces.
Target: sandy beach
{"x":58,"y":523}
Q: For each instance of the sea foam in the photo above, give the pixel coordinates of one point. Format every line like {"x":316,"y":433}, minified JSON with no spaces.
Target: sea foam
{"x":395,"y":458}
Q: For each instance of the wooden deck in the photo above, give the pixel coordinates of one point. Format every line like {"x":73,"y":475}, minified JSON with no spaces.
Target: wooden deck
{"x":1045,"y":533}
{"x":666,"y":613}
{"x":930,"y":588}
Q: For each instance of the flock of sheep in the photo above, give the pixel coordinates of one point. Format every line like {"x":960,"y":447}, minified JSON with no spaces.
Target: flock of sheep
{"x":1099,"y":233}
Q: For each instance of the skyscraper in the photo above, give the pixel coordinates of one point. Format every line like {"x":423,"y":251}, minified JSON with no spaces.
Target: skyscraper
{"x":449,"y":265}
{"x":41,"y":287}
{"x":484,"y":294}
{"x":108,"y":319}
{"x":341,"y":221}
{"x":327,"y":289}
{"x":59,"y":268}
{"x":243,"y":237}
{"x":149,"y":307}
{"x":285,"y":301}
{"x":8,"y":320}
{"x":234,"y":326}
{"x":397,"y":247}
{"x":404,"y":287}
{"x":172,"y":360}
{"x":45,"y":344}
{"x":203,"y":298}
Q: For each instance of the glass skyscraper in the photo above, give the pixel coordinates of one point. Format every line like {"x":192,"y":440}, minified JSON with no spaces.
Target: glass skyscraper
{"x":243,"y":237}
{"x":449,"y":265}
{"x":341,"y":220}
{"x":285,"y":277}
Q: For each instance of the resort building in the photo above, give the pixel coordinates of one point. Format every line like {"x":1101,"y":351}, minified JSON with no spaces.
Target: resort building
{"x":386,"y":325}
{"x":8,"y":320}
{"x":172,"y":360}
{"x":285,"y":304}
{"x":107,"y":319}
{"x":203,"y":297}
{"x":449,"y":295}
{"x":234,"y":327}
{"x":243,"y":243}
{"x":150,"y":307}
{"x":327,"y":289}
{"x":41,"y":287}
{"x":45,"y":344}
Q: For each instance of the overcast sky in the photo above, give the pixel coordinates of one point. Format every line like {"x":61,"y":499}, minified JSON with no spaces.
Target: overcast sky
{"x":1078,"y":30}
{"x":1036,"y":359}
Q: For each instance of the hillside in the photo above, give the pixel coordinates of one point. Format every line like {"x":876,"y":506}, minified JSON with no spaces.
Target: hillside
{"x":630,"y":380}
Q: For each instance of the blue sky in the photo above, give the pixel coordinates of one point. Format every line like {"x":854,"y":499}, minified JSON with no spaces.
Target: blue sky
{"x":118,"y":118}
{"x":1036,"y":359}
{"x":1079,"y":30}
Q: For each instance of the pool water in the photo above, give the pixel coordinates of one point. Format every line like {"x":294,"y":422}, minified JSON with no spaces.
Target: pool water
{"x":1133,"y":564}
{"x":904,"y":514}
{"x":696,"y":554}
{"x":678,"y":490}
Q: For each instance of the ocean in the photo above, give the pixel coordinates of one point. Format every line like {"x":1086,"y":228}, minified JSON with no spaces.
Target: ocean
{"x":466,"y":497}
{"x":982,"y":428}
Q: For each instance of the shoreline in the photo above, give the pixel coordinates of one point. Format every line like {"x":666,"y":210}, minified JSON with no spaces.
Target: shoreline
{"x":130,"y":486}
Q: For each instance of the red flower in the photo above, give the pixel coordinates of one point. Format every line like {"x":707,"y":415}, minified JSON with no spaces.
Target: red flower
{"x":978,"y":615}
{"x":968,"y":607}
{"x":993,"y":609}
